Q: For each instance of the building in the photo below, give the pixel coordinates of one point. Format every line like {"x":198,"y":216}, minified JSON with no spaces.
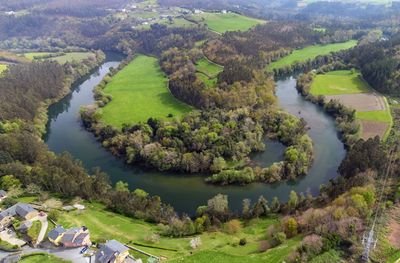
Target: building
{"x":56,"y":234}
{"x":112,"y":252}
{"x":3,"y":195}
{"x":25,"y":211}
{"x":70,"y":238}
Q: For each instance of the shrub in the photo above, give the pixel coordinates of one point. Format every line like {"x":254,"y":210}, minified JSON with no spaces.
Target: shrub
{"x":312,"y":245}
{"x":263,"y":246}
{"x":279,"y":238}
{"x":233,"y":226}
{"x":243,"y":242}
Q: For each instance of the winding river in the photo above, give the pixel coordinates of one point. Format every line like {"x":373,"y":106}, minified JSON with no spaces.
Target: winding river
{"x":186,"y":192}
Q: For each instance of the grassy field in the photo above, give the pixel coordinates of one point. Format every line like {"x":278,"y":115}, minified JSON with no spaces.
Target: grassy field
{"x":311,"y":52}
{"x":41,"y":258}
{"x":139,"y":91}
{"x":379,"y":115}
{"x":3,"y":67}
{"x":216,"y":246}
{"x":209,"y":68}
{"x":68,"y":57}
{"x":339,"y":82}
{"x":210,"y":82}
{"x":222,"y":23}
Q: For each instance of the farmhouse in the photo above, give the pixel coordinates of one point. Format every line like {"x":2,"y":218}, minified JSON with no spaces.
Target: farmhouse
{"x":21,"y":210}
{"x":112,"y":252}
{"x":73,"y":237}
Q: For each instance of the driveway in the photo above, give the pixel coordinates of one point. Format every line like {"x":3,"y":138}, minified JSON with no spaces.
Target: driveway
{"x":66,"y":254}
{"x":45,"y":225}
{"x":11,"y":238}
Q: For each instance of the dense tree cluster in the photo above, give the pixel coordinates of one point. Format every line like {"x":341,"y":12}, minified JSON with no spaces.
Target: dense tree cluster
{"x":380,"y":64}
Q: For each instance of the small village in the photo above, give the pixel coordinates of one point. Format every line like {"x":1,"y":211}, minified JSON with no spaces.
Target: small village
{"x":27,"y":228}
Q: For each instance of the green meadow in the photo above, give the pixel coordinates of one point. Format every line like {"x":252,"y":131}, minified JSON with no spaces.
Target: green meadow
{"x":216,"y":246}
{"x":41,"y":258}
{"x":139,"y":91}
{"x":67,"y":57}
{"x":339,"y":82}
{"x":207,"y":67}
{"x":309,"y":53}
{"x":222,"y":23}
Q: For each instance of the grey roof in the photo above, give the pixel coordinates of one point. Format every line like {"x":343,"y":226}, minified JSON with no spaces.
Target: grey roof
{"x":56,"y":232}
{"x":80,"y":238}
{"x":109,"y":250}
{"x":3,"y":193}
{"x":67,"y":238}
{"x":23,"y":209}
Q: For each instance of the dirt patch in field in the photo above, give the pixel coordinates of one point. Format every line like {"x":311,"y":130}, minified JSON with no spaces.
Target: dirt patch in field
{"x":361,"y":101}
{"x":394,"y":228}
{"x":370,"y":129}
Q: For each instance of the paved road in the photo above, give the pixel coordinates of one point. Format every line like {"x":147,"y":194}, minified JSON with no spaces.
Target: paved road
{"x":45,"y":225}
{"x":67,"y":254}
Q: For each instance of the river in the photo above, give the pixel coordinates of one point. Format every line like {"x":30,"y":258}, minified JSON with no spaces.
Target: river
{"x":186,"y":192}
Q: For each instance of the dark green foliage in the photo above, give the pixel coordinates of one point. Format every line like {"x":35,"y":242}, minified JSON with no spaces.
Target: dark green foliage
{"x":362,"y":156}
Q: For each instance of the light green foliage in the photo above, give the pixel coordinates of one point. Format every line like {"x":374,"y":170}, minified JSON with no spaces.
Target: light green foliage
{"x":310,"y":52}
{"x":9,"y":181}
{"x":139,"y":91}
{"x":122,"y":187}
{"x":3,"y":67}
{"x":339,"y":82}
{"x":330,"y":256}
{"x":41,"y":258}
{"x":229,"y":22}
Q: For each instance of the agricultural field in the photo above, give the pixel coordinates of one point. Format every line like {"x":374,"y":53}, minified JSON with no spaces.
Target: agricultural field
{"x":62,"y":59}
{"x":309,"y":53}
{"x":348,"y":87}
{"x":208,"y":71}
{"x":339,"y":82}
{"x":216,"y":246}
{"x":222,"y":23}
{"x":139,"y":91}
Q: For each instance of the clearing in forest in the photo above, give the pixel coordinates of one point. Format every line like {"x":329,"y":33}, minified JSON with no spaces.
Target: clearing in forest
{"x":350,"y":89}
{"x":62,"y":58}
{"x":208,"y":71}
{"x":309,"y":53}
{"x":139,"y":91}
{"x":222,"y":23}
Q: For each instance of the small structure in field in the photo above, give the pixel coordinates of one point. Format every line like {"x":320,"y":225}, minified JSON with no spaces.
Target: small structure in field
{"x":3,"y":195}
{"x":79,"y":207}
{"x":68,"y":208}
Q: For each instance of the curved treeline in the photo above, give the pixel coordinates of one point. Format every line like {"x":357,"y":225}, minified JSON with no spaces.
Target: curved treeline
{"x":234,"y":117}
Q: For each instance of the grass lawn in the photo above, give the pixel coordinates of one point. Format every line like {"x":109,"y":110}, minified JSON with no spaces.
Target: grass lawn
{"x":3,"y":67}
{"x":339,"y":82}
{"x":216,"y":246}
{"x":209,"y":68}
{"x":229,"y":22}
{"x":33,"y":232}
{"x":36,"y":55}
{"x":139,"y":91}
{"x":311,"y":52}
{"x":41,"y":258}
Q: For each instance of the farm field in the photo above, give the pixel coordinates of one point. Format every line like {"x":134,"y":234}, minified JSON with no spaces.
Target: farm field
{"x":139,"y":92}
{"x":216,"y":246}
{"x":311,"y":52}
{"x":348,"y":87}
{"x":339,"y":82}
{"x":67,"y":57}
{"x":208,"y":72}
{"x":222,"y":23}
